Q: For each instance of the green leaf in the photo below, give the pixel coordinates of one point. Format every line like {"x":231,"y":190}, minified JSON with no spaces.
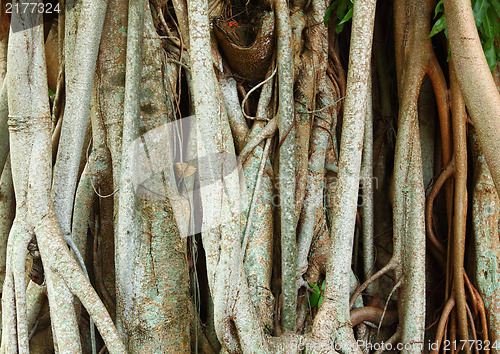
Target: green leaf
{"x":439,"y":8}
{"x":344,"y":13}
{"x":320,"y":301}
{"x":342,"y":6}
{"x":496,"y":5}
{"x":490,"y":53}
{"x":479,"y":11}
{"x":490,"y":25}
{"x":339,"y":28}
{"x":438,"y":26}
{"x":314,"y":298}
{"x":52,"y":95}
{"x":328,"y":14}
{"x":347,"y":17}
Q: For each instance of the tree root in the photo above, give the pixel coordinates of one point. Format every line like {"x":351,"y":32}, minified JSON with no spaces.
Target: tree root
{"x":393,"y":264}
{"x":447,"y":173}
{"x":373,"y":314}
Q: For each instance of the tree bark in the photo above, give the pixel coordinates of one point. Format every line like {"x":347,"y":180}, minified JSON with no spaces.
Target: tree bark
{"x":475,"y":80}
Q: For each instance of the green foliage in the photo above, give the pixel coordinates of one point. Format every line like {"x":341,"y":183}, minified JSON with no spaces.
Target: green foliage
{"x":52,"y":95}
{"x":344,"y":13}
{"x":316,"y":298}
{"x":486,"y":14}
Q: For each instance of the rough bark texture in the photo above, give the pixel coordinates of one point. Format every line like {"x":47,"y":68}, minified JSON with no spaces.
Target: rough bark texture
{"x":344,"y":213}
{"x":201,"y":199}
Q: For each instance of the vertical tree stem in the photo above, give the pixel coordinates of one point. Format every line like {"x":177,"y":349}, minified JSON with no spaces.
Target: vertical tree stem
{"x":459,"y":122}
{"x":28,"y":102}
{"x":286,"y":165}
{"x":127,"y":232}
{"x":367,"y":184}
{"x":475,"y":80}
{"x":4,"y":132}
{"x":79,"y":91}
{"x":336,"y":296}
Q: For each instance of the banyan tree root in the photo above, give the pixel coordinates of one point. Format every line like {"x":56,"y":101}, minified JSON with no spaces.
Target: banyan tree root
{"x":233,"y":308}
{"x":408,"y":203}
{"x":30,"y":128}
{"x":336,"y":297}
{"x":486,"y":244}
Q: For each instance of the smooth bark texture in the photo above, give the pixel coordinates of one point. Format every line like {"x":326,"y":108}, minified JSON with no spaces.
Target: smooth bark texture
{"x":459,"y":122}
{"x":127,"y":233}
{"x":480,"y":93}
{"x":79,"y":91}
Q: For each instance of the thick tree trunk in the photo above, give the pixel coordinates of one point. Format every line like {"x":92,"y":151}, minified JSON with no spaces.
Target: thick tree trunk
{"x":475,"y":80}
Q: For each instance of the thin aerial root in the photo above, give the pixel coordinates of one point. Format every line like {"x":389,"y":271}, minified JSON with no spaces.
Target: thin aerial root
{"x":241,"y":90}
{"x":338,"y":70}
{"x":56,"y":135}
{"x":477,"y":302}
{"x":373,"y":314}
{"x":482,"y":314}
{"x":473,"y":329}
{"x":459,"y":118}
{"x":266,"y":132}
{"x":450,"y":304}
{"x":170,"y":36}
{"x":447,"y":173}
{"x":443,"y":104}
{"x":253,"y":202}
{"x":41,"y":323}
{"x":389,"y":266}
{"x":472,"y":293}
{"x":453,"y":331}
{"x":398,"y":284}
{"x":243,"y":103}
{"x":58,"y":99}
{"x":390,"y":342}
